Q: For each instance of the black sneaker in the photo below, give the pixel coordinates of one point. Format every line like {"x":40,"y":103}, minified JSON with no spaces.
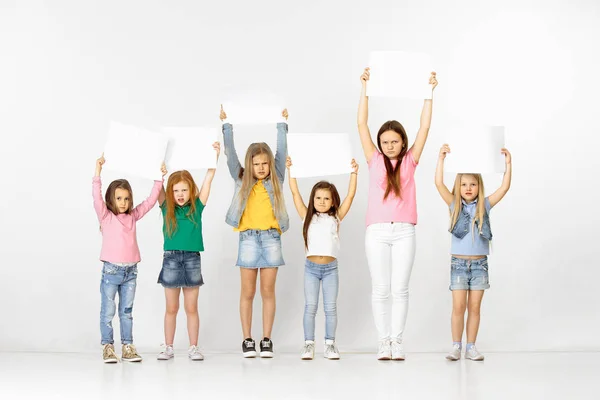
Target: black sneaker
{"x":266,"y":348}
{"x":249,"y":348}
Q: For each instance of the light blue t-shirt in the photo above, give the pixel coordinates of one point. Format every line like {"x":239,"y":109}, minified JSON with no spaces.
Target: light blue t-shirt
{"x":472,"y":244}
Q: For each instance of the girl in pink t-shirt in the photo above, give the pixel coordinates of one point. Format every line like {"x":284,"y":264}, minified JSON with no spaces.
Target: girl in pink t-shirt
{"x":391,"y":219}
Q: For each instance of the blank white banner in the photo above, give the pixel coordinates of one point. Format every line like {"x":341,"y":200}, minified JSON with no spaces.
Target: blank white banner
{"x":134,"y":150}
{"x":253,"y":114}
{"x":399,"y":74}
{"x":319,"y":154}
{"x":475,"y":149}
{"x":191,"y":148}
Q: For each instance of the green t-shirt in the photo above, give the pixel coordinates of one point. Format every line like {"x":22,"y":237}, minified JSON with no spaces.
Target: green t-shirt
{"x":188,"y":233}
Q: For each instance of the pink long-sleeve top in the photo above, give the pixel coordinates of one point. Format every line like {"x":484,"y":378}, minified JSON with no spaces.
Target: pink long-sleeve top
{"x":119,"y":238}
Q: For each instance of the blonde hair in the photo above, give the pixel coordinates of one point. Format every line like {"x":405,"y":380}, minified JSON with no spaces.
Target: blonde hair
{"x":480,"y":209}
{"x":175,"y":178}
{"x":248,"y":179}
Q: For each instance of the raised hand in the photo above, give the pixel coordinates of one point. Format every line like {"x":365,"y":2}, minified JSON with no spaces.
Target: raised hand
{"x":507,"y":156}
{"x":163,"y":169}
{"x":222,"y":115}
{"x":285,"y":114}
{"x":288,"y":162}
{"x":365,"y":76}
{"x":433,"y":80}
{"x":354,"y":166}
{"x":443,"y":151}
{"x":217,"y":147}
{"x":99,"y":163}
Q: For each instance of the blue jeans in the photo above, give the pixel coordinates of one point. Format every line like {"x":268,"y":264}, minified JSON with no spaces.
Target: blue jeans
{"x":122,"y":280}
{"x":313,"y":275}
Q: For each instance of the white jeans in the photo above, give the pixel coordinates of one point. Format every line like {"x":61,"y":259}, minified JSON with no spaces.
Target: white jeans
{"x":390,"y":249}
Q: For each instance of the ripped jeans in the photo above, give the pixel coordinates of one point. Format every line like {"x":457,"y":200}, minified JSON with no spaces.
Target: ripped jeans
{"x":122,"y":280}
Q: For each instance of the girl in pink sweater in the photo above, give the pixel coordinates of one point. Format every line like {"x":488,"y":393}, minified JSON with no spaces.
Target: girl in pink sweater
{"x":120,"y":254}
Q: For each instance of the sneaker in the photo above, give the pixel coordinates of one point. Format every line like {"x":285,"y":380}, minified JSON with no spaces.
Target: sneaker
{"x":195,"y":354}
{"x":398,"y":351}
{"x":129,"y":353}
{"x":167,"y":353}
{"x":331,"y":352}
{"x":266,"y":348}
{"x":249,"y":348}
{"x":454,"y":354}
{"x":108,"y":354}
{"x":385,"y":350}
{"x":308,"y":351}
{"x":473,"y":354}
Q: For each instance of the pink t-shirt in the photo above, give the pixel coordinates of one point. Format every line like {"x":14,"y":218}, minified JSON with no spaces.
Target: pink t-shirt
{"x":119,"y":238}
{"x":392,"y":209}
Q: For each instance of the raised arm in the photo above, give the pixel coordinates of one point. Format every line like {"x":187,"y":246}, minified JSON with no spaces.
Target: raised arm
{"x":99,"y":205}
{"x":499,"y":194}
{"x":439,"y":176}
{"x":347,"y":203}
{"x":208,"y":178}
{"x":419,"y":144}
{"x":233,"y":163}
{"x":298,"y":202}
{"x":363,"y":116}
{"x":281,"y":153}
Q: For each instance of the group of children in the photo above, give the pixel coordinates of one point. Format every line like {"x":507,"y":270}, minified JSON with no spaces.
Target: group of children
{"x":258,"y":213}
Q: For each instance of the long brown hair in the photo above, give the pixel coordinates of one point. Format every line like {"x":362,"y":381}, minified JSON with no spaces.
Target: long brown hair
{"x":175,"y":178}
{"x":310,"y":210}
{"x":248,"y":179}
{"x":479,"y":208}
{"x":393,"y":173}
{"x":109,"y":197}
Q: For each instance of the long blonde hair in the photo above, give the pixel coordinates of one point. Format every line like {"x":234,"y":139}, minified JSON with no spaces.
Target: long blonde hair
{"x":480,"y":209}
{"x":248,"y":179}
{"x":174,"y":179}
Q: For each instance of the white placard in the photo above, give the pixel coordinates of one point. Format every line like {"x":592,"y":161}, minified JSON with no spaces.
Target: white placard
{"x":319,"y":154}
{"x":191,"y":148}
{"x":253,"y":113}
{"x":134,"y":150}
{"x":399,"y":74}
{"x":475,"y":149}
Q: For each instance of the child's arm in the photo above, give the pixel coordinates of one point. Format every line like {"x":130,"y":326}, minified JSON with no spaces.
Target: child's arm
{"x":439,"y":176}
{"x":208,"y":178}
{"x":142,"y":209}
{"x":281,"y":153}
{"x":99,"y":204}
{"x":162,"y":194}
{"x":363,"y":116}
{"x":499,"y":194}
{"x":298,"y":202}
{"x":419,"y":144}
{"x":233,"y":163}
{"x":347,"y":203}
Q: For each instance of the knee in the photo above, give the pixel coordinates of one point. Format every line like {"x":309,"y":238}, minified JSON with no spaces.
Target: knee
{"x":191,"y":309}
{"x":310,"y":309}
{"x":459,"y":308}
{"x":474,"y":311}
{"x":381,"y":292}
{"x":172,"y":309}
{"x":267,"y":293}
{"x":400,"y":292}
{"x":248,"y":294}
{"x":126,"y":313}
{"x":330,"y":309}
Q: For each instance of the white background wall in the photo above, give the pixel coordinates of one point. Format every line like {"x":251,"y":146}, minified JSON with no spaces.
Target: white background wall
{"x":69,"y":67}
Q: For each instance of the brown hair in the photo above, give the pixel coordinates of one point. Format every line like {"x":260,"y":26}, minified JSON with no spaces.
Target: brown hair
{"x":393,"y":173}
{"x":175,"y":178}
{"x":310,"y":210}
{"x":109,"y":197}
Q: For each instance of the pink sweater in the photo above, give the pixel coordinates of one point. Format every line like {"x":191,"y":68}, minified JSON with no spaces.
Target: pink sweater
{"x":119,"y":238}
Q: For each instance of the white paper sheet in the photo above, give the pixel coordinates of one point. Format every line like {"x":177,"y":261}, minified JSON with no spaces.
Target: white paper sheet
{"x":475,"y":149}
{"x":253,"y":113}
{"x":190,"y":148}
{"x":134,"y":150}
{"x":319,"y":154}
{"x":399,"y":74}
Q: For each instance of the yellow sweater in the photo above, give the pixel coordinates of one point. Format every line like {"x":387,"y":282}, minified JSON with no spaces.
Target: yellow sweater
{"x":258,"y":214}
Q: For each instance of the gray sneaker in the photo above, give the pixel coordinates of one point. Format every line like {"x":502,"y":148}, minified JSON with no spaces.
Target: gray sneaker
{"x":473,"y":354}
{"x":108,"y":354}
{"x":195,"y":354}
{"x":385,"y":350}
{"x":331,"y":352}
{"x":167,"y":353}
{"x":454,"y":354}
{"x":308,"y":351}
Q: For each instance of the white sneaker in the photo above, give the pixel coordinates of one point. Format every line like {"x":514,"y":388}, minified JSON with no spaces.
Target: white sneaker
{"x":454,"y":354}
{"x":473,"y":354}
{"x":398,"y":351}
{"x":331,"y":352}
{"x":385,"y":350}
{"x":308,"y":351}
{"x":195,"y":354}
{"x":167,"y":353}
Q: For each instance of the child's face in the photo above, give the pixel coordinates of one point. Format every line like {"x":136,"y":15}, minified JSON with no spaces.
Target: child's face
{"x":260,"y":166}
{"x":391,"y":144}
{"x":181,"y":193}
{"x":469,"y":188}
{"x":323,"y":200}
{"x":122,"y":200}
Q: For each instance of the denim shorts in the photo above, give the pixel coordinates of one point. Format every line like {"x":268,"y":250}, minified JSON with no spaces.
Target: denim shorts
{"x":260,"y":249}
{"x":469,"y":274}
{"x":181,"y":269}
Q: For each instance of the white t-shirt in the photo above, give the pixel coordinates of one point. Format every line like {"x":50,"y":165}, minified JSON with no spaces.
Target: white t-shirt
{"x":323,"y":237}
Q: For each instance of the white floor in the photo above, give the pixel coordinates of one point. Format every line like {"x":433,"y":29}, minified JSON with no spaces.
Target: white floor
{"x":356,"y":376}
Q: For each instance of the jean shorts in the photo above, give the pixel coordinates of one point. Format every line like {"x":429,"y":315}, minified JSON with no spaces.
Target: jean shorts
{"x":181,"y":269}
{"x":469,"y":274}
{"x":260,"y":249}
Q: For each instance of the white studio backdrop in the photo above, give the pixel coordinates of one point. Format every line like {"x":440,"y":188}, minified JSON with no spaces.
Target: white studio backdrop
{"x":68,"y":68}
